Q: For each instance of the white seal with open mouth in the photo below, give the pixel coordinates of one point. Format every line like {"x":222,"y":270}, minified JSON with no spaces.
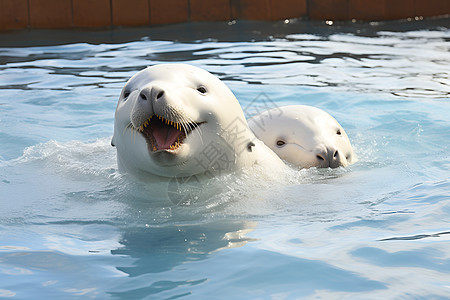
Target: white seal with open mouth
{"x":180,"y":120}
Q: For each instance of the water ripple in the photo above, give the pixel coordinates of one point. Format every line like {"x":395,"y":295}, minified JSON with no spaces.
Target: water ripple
{"x":410,"y":64}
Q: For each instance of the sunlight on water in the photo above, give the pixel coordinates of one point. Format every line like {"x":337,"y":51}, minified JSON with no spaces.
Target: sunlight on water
{"x":71,"y":226}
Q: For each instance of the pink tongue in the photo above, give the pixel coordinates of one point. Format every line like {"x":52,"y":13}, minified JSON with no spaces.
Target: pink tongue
{"x":165,"y":136}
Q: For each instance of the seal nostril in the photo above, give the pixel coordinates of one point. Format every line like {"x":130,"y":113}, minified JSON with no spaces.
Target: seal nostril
{"x":320,"y":157}
{"x":281,"y":143}
{"x":160,"y":94}
{"x":335,"y":154}
{"x":143,"y":97}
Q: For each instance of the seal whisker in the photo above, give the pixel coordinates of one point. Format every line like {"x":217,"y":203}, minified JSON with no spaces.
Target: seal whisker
{"x":181,"y":120}
{"x":129,"y":126}
{"x":192,"y":126}
{"x":186,"y":123}
{"x":132,"y":130}
{"x":134,"y":136}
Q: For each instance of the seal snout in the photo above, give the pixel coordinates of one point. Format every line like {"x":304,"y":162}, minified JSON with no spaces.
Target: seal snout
{"x":164,"y":126}
{"x":152,"y":93}
{"x":328,"y":157}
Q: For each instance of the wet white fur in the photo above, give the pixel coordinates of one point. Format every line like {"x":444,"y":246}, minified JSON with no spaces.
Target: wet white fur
{"x":225,"y":129}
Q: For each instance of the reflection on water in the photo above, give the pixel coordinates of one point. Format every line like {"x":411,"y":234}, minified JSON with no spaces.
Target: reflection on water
{"x":156,"y":251}
{"x":71,"y":227}
{"x":159,"y":249}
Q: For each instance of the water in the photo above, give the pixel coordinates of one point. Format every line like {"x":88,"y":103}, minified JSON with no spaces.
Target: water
{"x":72,"y":227}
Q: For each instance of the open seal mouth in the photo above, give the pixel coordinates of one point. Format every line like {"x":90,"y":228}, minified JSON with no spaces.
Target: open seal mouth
{"x":163,"y":134}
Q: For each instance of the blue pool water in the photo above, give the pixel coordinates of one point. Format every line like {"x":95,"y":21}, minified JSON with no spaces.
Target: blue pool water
{"x":72,"y":227}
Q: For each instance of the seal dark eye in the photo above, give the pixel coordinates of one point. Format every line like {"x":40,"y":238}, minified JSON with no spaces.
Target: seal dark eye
{"x":201,"y":90}
{"x":125,"y":95}
{"x":338,"y":132}
{"x":280,"y":143}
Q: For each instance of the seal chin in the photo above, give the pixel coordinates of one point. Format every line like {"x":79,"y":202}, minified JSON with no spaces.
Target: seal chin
{"x":165,"y":158}
{"x":165,"y":137}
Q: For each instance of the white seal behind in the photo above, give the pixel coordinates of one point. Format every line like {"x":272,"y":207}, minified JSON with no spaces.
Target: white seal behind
{"x":304,"y":136}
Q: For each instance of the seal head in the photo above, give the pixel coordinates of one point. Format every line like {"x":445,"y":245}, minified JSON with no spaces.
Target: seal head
{"x":304,"y":136}
{"x":180,"y":120}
